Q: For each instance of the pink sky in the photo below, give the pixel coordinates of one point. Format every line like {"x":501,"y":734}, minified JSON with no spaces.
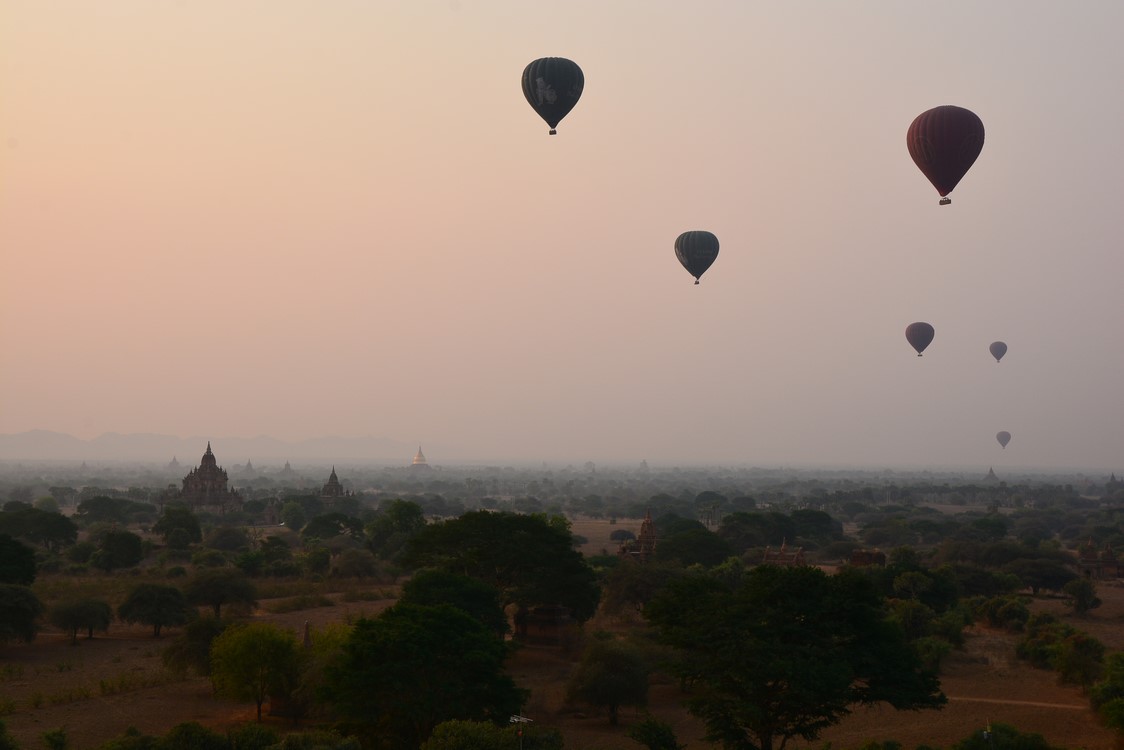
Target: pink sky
{"x":341,"y":218}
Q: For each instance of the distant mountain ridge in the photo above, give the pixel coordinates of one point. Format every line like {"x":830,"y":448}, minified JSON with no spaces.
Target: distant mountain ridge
{"x":45,"y":445}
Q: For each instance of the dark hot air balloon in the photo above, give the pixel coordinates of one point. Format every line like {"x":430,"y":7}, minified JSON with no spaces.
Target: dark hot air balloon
{"x":696,"y":250}
{"x":944,"y":143}
{"x":919,"y":336}
{"x":1003,"y":437}
{"x":553,"y":86}
{"x":997,"y":349}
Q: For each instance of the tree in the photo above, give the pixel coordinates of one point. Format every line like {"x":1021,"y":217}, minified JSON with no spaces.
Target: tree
{"x":17,"y":562}
{"x":1003,"y":737}
{"x":473,"y":597}
{"x":119,"y":549}
{"x":19,"y":609}
{"x":786,"y":653}
{"x":81,"y":614}
{"x":51,"y":530}
{"x":156,"y":605}
{"x":530,"y":559}
{"x":611,"y":674}
{"x":292,"y":515}
{"x":1040,"y":573}
{"x":414,"y":667}
{"x":655,"y":735}
{"x":252,"y":661}
{"x":7,"y":742}
{"x":177,"y":516}
{"x":392,"y":527}
{"x":218,"y":586}
{"x":484,"y":735}
{"x":1107,"y":696}
{"x":1082,"y":595}
{"x":331,"y":525}
{"x":191,"y":735}
{"x":694,"y":546}
{"x":192,"y":648}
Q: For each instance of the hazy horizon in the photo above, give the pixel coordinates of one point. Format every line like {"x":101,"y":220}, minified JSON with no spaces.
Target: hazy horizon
{"x":342,"y":219}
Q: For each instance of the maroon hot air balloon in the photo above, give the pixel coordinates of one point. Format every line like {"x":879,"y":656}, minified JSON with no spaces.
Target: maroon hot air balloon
{"x":1003,"y":437}
{"x":997,"y":349}
{"x":944,"y":143}
{"x":919,"y":336}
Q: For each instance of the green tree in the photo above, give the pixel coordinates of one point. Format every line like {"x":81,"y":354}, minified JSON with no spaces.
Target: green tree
{"x":156,"y":605}
{"x":292,"y":515}
{"x":177,"y":516}
{"x":17,"y":562}
{"x":414,"y":667}
{"x":787,"y":653}
{"x":394,"y":524}
{"x":56,"y":739}
{"x":655,"y":735}
{"x":192,"y":648}
{"x":475,"y":598}
{"x":611,"y":674}
{"x":483,"y":735}
{"x":1107,"y":696}
{"x":118,"y":549}
{"x":695,"y":546}
{"x":51,"y":530}
{"x":1082,"y":595}
{"x":252,"y":661}
{"x":1003,"y":737}
{"x":1040,"y":573}
{"x":81,"y":614}
{"x":330,"y":525}
{"x":632,"y":584}
{"x":192,"y":735}
{"x":19,"y":610}
{"x":7,"y":742}
{"x":530,"y":559}
{"x":218,"y":586}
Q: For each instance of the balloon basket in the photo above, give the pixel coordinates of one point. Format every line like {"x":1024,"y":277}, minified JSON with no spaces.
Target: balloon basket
{"x":553,"y":131}
{"x":945,"y":201}
{"x":696,"y":282}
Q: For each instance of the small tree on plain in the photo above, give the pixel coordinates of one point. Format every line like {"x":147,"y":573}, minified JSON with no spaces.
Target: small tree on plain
{"x":156,"y":605}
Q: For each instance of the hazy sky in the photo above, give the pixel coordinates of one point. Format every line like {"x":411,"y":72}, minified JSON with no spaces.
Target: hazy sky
{"x":304,"y":218}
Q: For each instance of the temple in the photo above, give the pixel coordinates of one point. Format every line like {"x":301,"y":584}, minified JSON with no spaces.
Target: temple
{"x":205,"y":487}
{"x":784,"y":557}
{"x":1097,"y":565}
{"x":419,"y":460}
{"x":332,"y":492}
{"x":643,"y":547}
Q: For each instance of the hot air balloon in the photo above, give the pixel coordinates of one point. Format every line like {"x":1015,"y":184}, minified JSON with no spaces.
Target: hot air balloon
{"x":944,"y":143}
{"x":997,"y":349}
{"x":919,"y":336}
{"x":1003,"y":437}
{"x":696,"y":250}
{"x":553,"y":86}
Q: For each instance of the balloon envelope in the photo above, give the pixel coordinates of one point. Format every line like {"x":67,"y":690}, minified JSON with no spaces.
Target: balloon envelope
{"x":919,"y":336}
{"x":1003,"y":438}
{"x":696,"y":250}
{"x":997,"y":349}
{"x":944,"y":143}
{"x":553,"y":86}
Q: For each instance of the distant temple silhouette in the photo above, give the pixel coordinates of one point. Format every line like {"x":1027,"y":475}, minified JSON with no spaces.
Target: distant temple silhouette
{"x":643,"y":547}
{"x":205,"y":487}
{"x":419,"y":460}
{"x":333,"y":491}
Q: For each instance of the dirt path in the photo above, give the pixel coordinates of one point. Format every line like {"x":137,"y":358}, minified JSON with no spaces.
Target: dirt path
{"x":1020,"y":703}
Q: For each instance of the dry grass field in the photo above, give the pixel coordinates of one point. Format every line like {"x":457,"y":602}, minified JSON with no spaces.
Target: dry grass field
{"x":99,"y":687}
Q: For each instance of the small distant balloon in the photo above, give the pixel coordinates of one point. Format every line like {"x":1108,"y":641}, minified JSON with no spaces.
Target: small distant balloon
{"x":553,"y":86}
{"x":944,"y":143}
{"x":919,"y":336}
{"x":997,"y":349}
{"x":696,"y":250}
{"x":1003,"y":438}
